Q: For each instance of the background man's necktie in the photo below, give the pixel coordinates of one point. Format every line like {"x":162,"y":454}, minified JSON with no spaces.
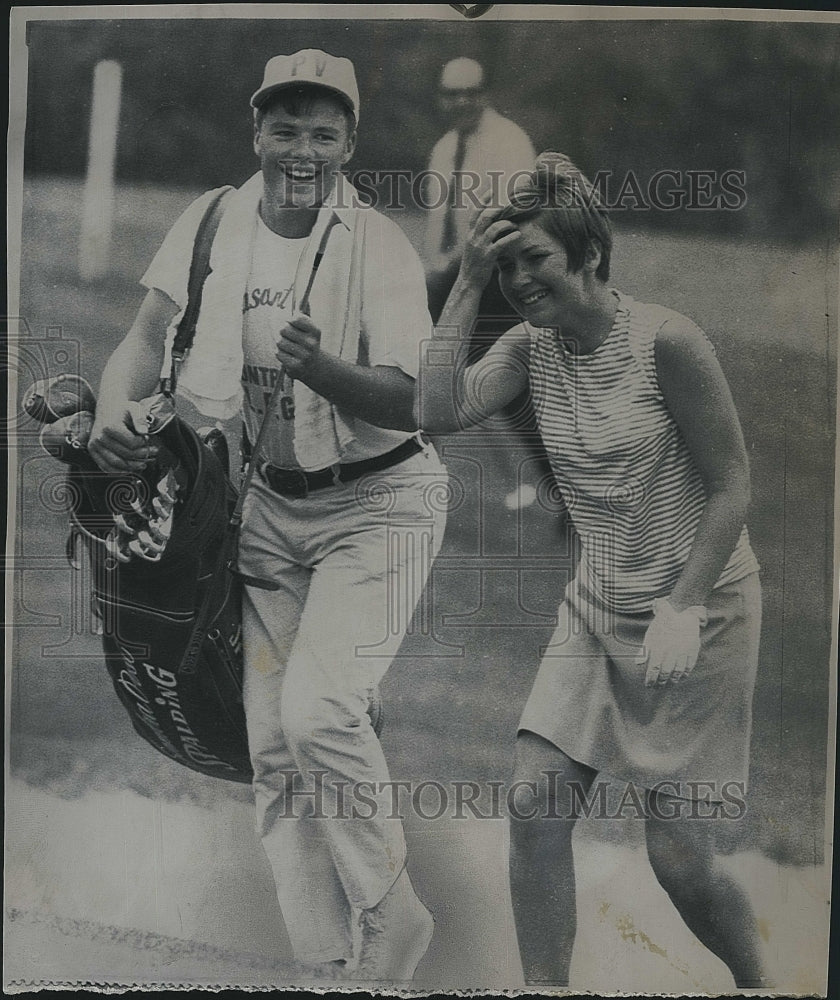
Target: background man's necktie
{"x":450,"y":238}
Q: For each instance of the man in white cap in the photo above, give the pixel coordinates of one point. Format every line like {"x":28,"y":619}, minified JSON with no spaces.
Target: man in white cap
{"x":481,"y":154}
{"x":310,"y":323}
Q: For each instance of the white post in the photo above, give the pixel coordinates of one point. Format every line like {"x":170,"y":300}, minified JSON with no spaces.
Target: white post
{"x":98,"y":201}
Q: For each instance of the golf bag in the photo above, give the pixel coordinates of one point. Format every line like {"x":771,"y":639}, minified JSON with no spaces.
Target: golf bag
{"x":171,"y":626}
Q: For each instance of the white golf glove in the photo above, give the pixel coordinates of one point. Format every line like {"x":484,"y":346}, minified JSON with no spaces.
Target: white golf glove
{"x":672,"y":642}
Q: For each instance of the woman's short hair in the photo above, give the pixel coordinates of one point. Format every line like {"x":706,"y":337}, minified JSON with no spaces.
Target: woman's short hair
{"x":298,"y":100}
{"x":562,"y":201}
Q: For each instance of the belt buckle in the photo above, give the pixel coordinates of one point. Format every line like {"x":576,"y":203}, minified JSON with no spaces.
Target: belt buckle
{"x":297,"y":492}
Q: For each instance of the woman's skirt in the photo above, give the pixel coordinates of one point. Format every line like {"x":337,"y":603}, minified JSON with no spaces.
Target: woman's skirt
{"x":689,"y":739}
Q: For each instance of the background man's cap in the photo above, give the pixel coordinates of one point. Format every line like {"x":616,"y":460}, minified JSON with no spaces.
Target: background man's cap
{"x":462,"y":74}
{"x":310,"y":66}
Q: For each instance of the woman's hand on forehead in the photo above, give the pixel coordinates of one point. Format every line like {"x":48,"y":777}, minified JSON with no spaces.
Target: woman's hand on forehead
{"x":488,"y":239}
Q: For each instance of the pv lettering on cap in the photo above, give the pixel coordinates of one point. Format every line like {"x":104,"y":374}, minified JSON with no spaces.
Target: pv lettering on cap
{"x":301,"y":59}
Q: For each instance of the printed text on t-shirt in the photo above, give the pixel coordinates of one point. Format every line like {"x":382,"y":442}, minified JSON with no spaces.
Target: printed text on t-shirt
{"x":264,"y":379}
{"x":257,"y":297}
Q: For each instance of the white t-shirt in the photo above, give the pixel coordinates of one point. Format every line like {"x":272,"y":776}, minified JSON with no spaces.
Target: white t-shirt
{"x":266,"y":308}
{"x":395,"y":319}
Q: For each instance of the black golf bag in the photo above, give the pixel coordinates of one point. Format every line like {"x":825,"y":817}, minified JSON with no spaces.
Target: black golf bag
{"x":171,"y":628}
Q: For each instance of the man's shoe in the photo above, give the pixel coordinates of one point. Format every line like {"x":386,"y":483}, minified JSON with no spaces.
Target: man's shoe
{"x":396,"y":934}
{"x":314,"y":972}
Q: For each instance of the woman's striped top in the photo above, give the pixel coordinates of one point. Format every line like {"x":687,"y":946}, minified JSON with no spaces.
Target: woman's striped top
{"x":626,"y":475}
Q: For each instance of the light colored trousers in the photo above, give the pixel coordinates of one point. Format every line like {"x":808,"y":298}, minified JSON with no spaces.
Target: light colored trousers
{"x":350,"y":563}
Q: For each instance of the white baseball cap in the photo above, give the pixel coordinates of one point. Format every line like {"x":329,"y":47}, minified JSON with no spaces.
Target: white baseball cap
{"x":462,"y":74}
{"x":335,"y":73}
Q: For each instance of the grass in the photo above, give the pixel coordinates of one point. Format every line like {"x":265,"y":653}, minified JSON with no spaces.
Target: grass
{"x":453,"y":697}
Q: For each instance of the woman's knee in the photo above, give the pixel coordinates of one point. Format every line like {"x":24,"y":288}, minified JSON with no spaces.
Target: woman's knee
{"x":545,"y":779}
{"x":682,"y":857}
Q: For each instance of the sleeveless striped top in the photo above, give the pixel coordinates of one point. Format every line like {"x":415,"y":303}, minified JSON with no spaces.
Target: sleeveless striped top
{"x":625,"y":473}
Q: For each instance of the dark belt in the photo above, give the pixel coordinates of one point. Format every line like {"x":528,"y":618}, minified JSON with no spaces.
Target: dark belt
{"x":300,"y":482}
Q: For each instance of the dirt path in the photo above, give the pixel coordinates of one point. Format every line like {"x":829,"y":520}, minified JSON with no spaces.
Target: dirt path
{"x":118,"y":890}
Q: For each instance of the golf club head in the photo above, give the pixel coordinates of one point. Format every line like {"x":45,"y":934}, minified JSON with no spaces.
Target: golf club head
{"x":51,"y":399}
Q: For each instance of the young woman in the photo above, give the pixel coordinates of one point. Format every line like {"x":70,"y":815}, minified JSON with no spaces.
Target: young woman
{"x":650,"y":674}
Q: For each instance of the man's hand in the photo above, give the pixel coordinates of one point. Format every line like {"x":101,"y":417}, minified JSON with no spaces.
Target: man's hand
{"x":672,"y":643}
{"x":115,"y":443}
{"x":488,"y":239}
{"x":299,"y":347}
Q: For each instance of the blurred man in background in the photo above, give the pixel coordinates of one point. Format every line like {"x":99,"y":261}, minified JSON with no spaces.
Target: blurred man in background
{"x":478,"y":157}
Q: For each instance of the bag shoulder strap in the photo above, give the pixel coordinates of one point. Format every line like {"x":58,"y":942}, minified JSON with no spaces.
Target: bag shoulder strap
{"x":199,"y":270}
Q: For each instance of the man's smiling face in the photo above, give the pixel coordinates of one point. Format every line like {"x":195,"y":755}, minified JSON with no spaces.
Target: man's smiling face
{"x":300,"y":153}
